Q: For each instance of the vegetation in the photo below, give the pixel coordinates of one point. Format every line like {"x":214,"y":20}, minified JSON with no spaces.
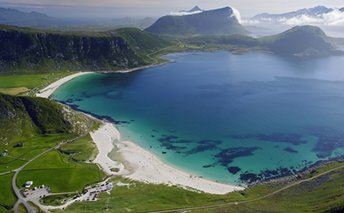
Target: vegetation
{"x":28,"y":83}
{"x":300,"y":41}
{"x":26,"y":49}
{"x":320,"y":194}
{"x":56,"y":200}
{"x":30,"y":126}
{"x":7,"y":198}
{"x":60,"y":173}
{"x":81,"y":150}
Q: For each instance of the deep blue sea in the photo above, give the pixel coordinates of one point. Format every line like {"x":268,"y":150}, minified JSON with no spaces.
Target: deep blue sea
{"x":226,"y":117}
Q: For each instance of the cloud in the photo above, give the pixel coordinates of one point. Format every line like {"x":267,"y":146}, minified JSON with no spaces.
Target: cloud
{"x":184,"y":13}
{"x":237,"y":14}
{"x":334,"y":18}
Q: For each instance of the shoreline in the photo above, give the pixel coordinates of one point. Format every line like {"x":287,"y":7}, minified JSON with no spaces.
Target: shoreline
{"x":51,"y":88}
{"x":144,"y":166}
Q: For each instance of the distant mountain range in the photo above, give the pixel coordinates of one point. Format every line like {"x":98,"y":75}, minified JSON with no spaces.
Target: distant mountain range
{"x":212,"y":22}
{"x":39,"y":20}
{"x":315,"y":11}
{"x":31,"y":19}
{"x":315,"y":15}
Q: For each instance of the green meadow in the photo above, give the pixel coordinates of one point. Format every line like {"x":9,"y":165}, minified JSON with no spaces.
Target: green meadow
{"x":22,"y":83}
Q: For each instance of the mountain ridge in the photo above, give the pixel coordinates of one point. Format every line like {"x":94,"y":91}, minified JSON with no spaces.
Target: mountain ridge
{"x":210,"y":22}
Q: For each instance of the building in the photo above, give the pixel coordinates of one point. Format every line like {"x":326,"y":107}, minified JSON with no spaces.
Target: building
{"x":28,"y":184}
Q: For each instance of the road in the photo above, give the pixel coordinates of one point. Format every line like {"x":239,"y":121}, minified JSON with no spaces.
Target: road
{"x":16,"y":190}
{"x":253,"y":200}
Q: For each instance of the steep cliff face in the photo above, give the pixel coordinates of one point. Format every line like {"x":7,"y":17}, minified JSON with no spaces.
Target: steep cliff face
{"x":42,"y":51}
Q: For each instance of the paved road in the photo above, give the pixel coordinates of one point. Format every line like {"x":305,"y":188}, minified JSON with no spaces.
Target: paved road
{"x":21,"y":198}
{"x":253,"y":200}
{"x":16,"y":190}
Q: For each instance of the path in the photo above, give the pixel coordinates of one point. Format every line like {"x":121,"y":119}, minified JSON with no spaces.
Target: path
{"x":253,"y":200}
{"x":16,"y":190}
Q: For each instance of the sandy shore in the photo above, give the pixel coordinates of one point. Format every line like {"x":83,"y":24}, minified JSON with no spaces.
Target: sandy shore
{"x":49,"y":90}
{"x":143,"y":165}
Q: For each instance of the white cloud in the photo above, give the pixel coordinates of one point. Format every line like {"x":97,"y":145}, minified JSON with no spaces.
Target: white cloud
{"x":334,"y":18}
{"x":184,"y":13}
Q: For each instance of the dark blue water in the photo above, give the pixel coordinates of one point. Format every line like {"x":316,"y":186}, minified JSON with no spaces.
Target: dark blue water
{"x":231,"y":118}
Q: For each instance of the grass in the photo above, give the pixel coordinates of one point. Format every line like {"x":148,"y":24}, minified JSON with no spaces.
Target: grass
{"x":317,"y":195}
{"x":21,"y":83}
{"x":16,"y":157}
{"x":7,"y":198}
{"x":61,"y":174}
{"x":83,"y":149}
{"x":3,"y":209}
{"x":56,"y":200}
{"x":21,"y":209}
{"x":141,"y":197}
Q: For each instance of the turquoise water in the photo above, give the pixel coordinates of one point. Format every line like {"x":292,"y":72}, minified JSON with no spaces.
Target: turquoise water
{"x":230,"y":118}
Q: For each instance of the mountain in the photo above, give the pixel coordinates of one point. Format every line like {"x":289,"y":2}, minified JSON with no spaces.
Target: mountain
{"x":24,"y":19}
{"x":24,"y":117}
{"x":300,"y":41}
{"x":195,"y":9}
{"x":36,"y":50}
{"x":341,"y":9}
{"x":212,"y":22}
{"x":310,"y":12}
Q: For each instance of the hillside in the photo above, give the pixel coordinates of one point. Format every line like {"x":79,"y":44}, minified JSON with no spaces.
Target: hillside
{"x":212,"y":22}
{"x":35,"y":50}
{"x":300,"y":41}
{"x":26,"y":117}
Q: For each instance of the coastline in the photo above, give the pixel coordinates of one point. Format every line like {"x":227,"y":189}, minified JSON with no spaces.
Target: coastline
{"x":51,"y":88}
{"x":143,"y":165}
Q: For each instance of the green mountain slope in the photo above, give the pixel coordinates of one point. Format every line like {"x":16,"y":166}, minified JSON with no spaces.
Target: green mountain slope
{"x":213,"y":22}
{"x":300,"y":41}
{"x":34,"y":50}
{"x":25,"y":117}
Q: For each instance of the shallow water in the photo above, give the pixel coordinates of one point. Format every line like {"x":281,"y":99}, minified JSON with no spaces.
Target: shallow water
{"x":230,"y":118}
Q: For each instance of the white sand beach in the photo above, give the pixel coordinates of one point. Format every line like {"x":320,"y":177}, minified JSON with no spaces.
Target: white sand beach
{"x":143,"y":165}
{"x":47,"y":91}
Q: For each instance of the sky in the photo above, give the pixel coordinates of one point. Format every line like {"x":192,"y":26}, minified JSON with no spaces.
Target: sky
{"x":156,"y":8}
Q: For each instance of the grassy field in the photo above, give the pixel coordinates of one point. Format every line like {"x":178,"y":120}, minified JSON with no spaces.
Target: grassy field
{"x":16,"y":157}
{"x":81,"y":150}
{"x":7,"y":198}
{"x":317,"y":195}
{"x":60,"y":173}
{"x":21,"y":83}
